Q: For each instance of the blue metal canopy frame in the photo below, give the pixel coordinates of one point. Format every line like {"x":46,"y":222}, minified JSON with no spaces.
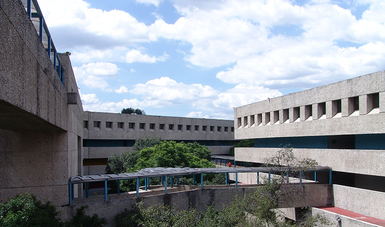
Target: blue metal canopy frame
{"x":164,"y":173}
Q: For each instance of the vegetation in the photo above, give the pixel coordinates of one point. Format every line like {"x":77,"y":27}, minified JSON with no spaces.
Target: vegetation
{"x":136,"y":111}
{"x":26,"y":210}
{"x":242,"y":143}
{"x":257,"y":209}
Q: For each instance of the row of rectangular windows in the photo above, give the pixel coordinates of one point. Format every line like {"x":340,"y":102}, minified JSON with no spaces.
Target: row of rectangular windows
{"x":274,"y":117}
{"x":161,"y":127}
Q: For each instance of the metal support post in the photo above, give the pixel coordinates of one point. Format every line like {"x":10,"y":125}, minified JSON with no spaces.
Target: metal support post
{"x":287,"y":177}
{"x":194,"y":179}
{"x":235,"y":163}
{"x":145,"y":183}
{"x":29,"y":6}
{"x":236,"y":180}
{"x":177,"y":180}
{"x":105,"y":190}
{"x":87,"y":190}
{"x":165,"y":184}
{"x":70,"y":192}
{"x":227,"y":178}
{"x":315,"y":175}
{"x":300,"y":177}
{"x":269,"y":177}
{"x":137,"y":187}
{"x":171,"y":183}
{"x":330,"y":176}
{"x":201,"y":180}
{"x":257,"y":177}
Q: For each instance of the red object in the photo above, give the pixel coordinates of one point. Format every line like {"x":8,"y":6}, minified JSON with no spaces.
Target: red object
{"x":229,"y":164}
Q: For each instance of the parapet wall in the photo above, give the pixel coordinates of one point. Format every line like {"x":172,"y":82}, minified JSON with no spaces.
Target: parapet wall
{"x":293,"y":196}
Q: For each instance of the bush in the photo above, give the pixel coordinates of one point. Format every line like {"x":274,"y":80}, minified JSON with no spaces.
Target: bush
{"x":25,"y":210}
{"x":80,"y":219}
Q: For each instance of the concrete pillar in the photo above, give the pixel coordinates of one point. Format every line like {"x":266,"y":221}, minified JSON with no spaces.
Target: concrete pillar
{"x":382,"y":101}
{"x":316,"y":112}
{"x":363,"y":104}
{"x":291,"y":114}
{"x":329,"y":109}
{"x":346,"y":107}
{"x":302,"y":113}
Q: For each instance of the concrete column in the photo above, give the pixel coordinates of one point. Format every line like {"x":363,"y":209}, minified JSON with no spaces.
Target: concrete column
{"x":316,"y":113}
{"x":329,"y":109}
{"x":281,"y":116}
{"x":363,"y":104}
{"x":302,"y":113}
{"x":382,"y":101}
{"x":346,"y":107}
{"x":291,"y":114}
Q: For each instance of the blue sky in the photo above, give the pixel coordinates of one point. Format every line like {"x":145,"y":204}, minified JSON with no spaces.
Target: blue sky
{"x":201,"y":58}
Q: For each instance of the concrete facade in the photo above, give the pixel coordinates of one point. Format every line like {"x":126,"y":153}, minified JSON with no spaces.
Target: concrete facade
{"x":42,"y":123}
{"x":108,"y":133}
{"x":40,"y":132}
{"x":340,"y":125}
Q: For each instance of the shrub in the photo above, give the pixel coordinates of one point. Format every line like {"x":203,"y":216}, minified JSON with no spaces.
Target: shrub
{"x":25,"y":210}
{"x":80,"y":219}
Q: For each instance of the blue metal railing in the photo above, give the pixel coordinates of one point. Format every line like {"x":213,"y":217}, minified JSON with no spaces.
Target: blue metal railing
{"x":36,"y":16}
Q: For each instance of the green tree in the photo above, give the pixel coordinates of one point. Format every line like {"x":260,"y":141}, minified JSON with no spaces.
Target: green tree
{"x":242,"y":143}
{"x":133,"y":111}
{"x":25,"y":210}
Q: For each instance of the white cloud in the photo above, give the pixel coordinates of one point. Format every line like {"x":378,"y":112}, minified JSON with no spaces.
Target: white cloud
{"x":152,"y":2}
{"x":132,"y":70}
{"x":137,"y":56}
{"x":94,"y":74}
{"x":121,"y":90}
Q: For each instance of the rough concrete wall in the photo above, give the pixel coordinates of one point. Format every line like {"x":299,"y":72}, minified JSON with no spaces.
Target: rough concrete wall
{"x":345,"y":221}
{"x":40,"y":135}
{"x":29,"y":81}
{"x":297,"y":196}
{"x":344,"y":160}
{"x":34,"y":162}
{"x":366,"y":202}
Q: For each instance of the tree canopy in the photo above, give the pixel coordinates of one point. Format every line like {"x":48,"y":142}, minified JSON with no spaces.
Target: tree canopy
{"x":131,"y":110}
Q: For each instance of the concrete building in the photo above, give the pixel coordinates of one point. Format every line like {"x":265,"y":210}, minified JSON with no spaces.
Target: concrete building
{"x":44,"y":134}
{"x":341,"y":125}
{"x":108,"y":133}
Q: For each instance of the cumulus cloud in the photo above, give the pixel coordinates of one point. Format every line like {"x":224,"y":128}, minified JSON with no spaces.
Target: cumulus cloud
{"x":94,"y":74}
{"x":137,"y":56}
{"x":152,"y":2}
{"x":121,"y":90}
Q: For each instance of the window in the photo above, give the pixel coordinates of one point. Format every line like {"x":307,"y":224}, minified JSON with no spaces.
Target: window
{"x":308,"y":112}
{"x":85,"y":124}
{"x":245,"y":122}
{"x":285,"y":116}
{"x":142,"y":126}
{"x":296,"y":114}
{"x":232,"y":129}
{"x":109,"y":124}
{"x":336,"y":108}
{"x":171,"y":127}
{"x":188,"y":127}
{"x":267,"y":118}
{"x":211,"y":128}
{"x":353,"y":105}
{"x":131,"y":125}
{"x":180,"y":127}
{"x":219,"y":129}
{"x":161,"y":127}
{"x":373,"y":101}
{"x":152,"y":126}
{"x":196,"y":128}
{"x":226,"y":129}
{"x":276,"y":116}
{"x":204,"y":128}
{"x":321,"y":110}
{"x":97,"y":124}
{"x":259,"y":119}
{"x":252,"y":120}
{"x":239,"y":122}
{"x":121,"y":125}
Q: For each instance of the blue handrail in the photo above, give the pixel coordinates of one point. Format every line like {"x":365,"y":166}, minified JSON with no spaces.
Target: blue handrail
{"x":43,"y":32}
